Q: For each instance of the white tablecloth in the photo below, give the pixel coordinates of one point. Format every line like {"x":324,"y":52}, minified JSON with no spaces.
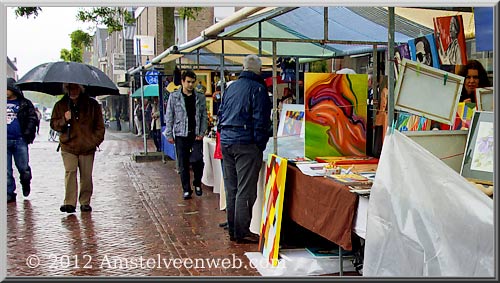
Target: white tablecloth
{"x":212,"y":177}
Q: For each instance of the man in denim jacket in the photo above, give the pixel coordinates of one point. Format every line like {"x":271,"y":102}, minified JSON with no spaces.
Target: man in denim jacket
{"x":186,"y":124}
{"x":244,"y":121}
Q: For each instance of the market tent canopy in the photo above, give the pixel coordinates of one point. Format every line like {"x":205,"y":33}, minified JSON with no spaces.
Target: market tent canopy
{"x":425,"y":18}
{"x":149,"y":91}
{"x":299,"y":32}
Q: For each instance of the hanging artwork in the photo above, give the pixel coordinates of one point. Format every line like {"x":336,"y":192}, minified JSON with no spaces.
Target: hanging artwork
{"x":450,"y":37}
{"x":478,"y":160}
{"x":401,"y":51}
{"x":428,"y":92}
{"x":423,"y":50}
{"x":203,"y":82}
{"x":272,"y":208}
{"x":292,"y":120}
{"x":336,"y":114}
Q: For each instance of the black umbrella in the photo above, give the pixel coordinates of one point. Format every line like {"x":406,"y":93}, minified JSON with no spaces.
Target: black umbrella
{"x":49,"y":77}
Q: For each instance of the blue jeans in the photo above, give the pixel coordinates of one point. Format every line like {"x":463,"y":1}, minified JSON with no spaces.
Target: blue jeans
{"x":19,"y":150}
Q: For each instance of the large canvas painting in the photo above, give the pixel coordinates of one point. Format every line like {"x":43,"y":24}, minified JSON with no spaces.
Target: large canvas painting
{"x":478,"y":160}
{"x":423,"y":50}
{"x":450,"y":37}
{"x":336,"y":114}
{"x":292,"y":120}
{"x":272,"y":208}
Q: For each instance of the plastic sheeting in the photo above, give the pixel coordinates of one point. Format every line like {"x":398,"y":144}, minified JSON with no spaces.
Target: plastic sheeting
{"x":424,"y":219}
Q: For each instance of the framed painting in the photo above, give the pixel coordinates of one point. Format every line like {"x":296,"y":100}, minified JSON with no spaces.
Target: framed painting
{"x":484,"y":99}
{"x":450,"y":39}
{"x":210,"y":105}
{"x":423,"y":50}
{"x":478,"y":159}
{"x":428,"y":92}
{"x":203,"y":82}
{"x":292,"y":120}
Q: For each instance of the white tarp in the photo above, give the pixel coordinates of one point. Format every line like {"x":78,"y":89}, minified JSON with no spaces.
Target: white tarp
{"x":424,"y":219}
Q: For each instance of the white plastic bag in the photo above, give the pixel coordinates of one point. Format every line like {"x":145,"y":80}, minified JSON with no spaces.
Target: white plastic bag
{"x":424,"y":219}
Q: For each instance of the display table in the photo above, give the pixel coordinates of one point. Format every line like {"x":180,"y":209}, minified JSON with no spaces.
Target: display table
{"x":320,"y":205}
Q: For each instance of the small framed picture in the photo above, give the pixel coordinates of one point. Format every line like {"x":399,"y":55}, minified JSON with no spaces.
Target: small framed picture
{"x":477,"y":164}
{"x":428,"y":92}
{"x":484,"y":99}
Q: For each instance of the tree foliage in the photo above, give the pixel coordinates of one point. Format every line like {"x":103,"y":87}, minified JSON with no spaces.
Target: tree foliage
{"x":79,"y":40}
{"x":27,"y":11}
{"x":112,"y":17}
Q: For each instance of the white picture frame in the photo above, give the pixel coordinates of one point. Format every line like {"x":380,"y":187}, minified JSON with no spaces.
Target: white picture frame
{"x":426,"y":91}
{"x":484,"y":99}
{"x":289,"y":126}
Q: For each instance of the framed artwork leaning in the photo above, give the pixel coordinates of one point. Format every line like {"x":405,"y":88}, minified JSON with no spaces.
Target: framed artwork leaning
{"x":477,"y":164}
{"x":428,"y":92}
{"x":484,"y":99}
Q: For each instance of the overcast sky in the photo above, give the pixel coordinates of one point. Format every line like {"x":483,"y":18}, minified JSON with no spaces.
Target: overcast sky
{"x":38,"y":40}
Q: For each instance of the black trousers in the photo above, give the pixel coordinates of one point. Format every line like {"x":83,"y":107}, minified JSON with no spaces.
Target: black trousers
{"x":189,"y":152}
{"x":242,"y":163}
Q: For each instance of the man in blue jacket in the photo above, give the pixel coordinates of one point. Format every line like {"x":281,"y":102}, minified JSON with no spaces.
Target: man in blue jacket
{"x":244,"y":121}
{"x":21,"y":130}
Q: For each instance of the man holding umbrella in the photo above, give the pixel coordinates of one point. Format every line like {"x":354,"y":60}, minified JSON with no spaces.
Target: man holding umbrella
{"x":78,"y":118}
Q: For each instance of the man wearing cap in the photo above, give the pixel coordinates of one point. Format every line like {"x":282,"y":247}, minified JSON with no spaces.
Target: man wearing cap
{"x":21,"y":130}
{"x":244,"y":121}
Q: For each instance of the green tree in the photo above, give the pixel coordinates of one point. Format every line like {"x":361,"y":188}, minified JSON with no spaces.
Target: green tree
{"x":27,"y":11}
{"x":79,"y":40}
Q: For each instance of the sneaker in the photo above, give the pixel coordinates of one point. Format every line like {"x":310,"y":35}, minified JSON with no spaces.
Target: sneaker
{"x":67,"y":208}
{"x":186,"y":195}
{"x":198,"y":191}
{"x":26,"y":189}
{"x":85,"y":208}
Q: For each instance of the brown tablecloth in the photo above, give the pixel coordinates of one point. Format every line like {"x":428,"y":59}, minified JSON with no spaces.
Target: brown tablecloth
{"x":321,"y":205}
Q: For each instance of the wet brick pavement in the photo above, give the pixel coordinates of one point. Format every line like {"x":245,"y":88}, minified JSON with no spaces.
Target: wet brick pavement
{"x":138,"y":210}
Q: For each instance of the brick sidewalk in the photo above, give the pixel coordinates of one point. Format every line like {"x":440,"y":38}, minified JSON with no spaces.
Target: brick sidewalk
{"x":138,"y":211}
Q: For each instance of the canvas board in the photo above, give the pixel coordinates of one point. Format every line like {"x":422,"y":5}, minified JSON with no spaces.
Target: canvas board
{"x":423,"y":91}
{"x":292,"y":120}
{"x":484,"y":99}
{"x":478,"y":159}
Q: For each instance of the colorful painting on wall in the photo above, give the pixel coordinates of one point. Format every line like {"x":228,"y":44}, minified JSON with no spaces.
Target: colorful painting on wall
{"x":450,"y":37}
{"x":401,"y":51}
{"x":423,"y":50}
{"x":272,"y":208}
{"x":336,"y":114}
{"x":203,"y":82}
{"x":292,"y":120}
